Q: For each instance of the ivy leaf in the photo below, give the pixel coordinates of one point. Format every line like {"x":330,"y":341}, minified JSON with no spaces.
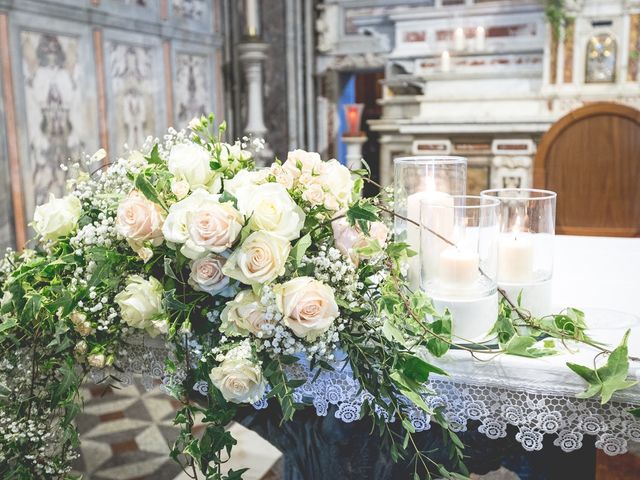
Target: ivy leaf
{"x":300,"y":248}
{"x":8,"y":324}
{"x":148,"y":190}
{"x":635,"y":412}
{"x":418,"y":370}
{"x":524,"y":346}
{"x":228,"y":197}
{"x":362,"y":211}
{"x":442,"y":327}
{"x":154,"y":156}
{"x":609,"y":378}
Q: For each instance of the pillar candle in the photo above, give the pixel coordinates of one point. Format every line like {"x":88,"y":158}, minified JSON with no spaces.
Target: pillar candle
{"x":458,"y":268}
{"x":480,"y":37}
{"x":458,"y":39}
{"x":252,"y":17}
{"x":445,"y":61}
{"x":515,"y":258}
{"x":440,"y":220}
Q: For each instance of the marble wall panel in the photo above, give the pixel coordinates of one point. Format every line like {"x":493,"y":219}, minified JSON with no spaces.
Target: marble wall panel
{"x":193,"y":90}
{"x":56,"y":103}
{"x":135,"y":89}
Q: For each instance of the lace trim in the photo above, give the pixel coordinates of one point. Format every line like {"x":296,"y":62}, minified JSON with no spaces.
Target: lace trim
{"x":533,"y":413}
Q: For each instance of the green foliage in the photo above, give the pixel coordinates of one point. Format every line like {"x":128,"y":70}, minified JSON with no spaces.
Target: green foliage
{"x":609,"y":378}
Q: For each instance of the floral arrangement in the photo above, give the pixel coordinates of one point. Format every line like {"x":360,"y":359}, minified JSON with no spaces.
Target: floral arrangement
{"x":245,"y":271}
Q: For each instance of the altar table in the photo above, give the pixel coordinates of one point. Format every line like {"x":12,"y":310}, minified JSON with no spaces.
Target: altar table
{"x":509,"y":396}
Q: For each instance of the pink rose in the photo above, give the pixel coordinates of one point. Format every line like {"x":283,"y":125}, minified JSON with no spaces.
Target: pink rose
{"x":138,"y":218}
{"x":206,"y":274}
{"x":348,"y":239}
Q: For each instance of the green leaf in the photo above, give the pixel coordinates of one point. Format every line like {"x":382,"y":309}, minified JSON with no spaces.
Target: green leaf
{"x":154,"y":156}
{"x":362,"y":211}
{"x":8,"y":324}
{"x":523,"y":346}
{"x":228,"y":197}
{"x":168,"y":269}
{"x":392,"y":333}
{"x":417,"y":369}
{"x":609,"y":378}
{"x":300,"y":248}
{"x":635,"y":412}
{"x":148,"y":190}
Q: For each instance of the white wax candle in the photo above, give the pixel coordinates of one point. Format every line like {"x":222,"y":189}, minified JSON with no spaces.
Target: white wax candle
{"x":458,"y":39}
{"x":480,"y":36}
{"x":515,"y":258}
{"x":445,"y":61}
{"x":252,"y":17}
{"x":458,"y":268}
{"x":440,"y":220}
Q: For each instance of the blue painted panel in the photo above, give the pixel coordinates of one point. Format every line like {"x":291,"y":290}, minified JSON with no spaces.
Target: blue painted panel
{"x":348,"y":95}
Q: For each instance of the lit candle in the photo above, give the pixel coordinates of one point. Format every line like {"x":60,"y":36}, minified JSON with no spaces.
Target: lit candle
{"x":445,"y":61}
{"x":252,"y":17}
{"x":439,"y":219}
{"x":480,"y":36}
{"x":458,"y":39}
{"x":458,"y":268}
{"x":515,"y":258}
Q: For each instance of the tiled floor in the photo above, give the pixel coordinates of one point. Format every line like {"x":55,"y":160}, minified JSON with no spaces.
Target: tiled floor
{"x":126,"y":435}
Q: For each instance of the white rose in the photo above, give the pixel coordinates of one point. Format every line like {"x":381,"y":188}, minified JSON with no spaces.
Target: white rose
{"x":201,"y":224}
{"x":337,"y":180}
{"x":139,"y":218}
{"x":96,"y":360}
{"x":141,"y":304}
{"x":243,"y":179}
{"x":269,"y":207}
{"x":80,"y":348}
{"x":233,"y":152}
{"x":300,"y":161}
{"x":245,"y":314}
{"x":314,"y":194}
{"x":180,"y":188}
{"x":206,"y":274}
{"x":58,"y":217}
{"x":239,"y":380}
{"x":283,"y":176}
{"x":260,"y":259}
{"x":348,"y":239}
{"x":308,"y":306}
{"x":190,"y":162}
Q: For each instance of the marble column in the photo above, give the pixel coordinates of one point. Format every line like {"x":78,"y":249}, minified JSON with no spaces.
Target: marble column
{"x":252,"y":55}
{"x":354,"y":150}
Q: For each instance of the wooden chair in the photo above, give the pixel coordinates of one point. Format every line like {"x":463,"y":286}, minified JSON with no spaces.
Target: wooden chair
{"x":591,"y":157}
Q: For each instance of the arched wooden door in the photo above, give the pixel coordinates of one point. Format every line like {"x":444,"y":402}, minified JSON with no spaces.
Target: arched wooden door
{"x":591,"y":157}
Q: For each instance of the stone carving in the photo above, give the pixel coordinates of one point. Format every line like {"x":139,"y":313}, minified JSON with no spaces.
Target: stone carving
{"x":192,"y":96}
{"x":57,"y":112}
{"x":358,"y":61}
{"x":190,"y":9}
{"x":511,"y":172}
{"x":132,"y":88}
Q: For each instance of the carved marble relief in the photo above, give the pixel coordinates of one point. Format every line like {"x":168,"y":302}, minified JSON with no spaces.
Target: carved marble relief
{"x":192,"y":96}
{"x":57,"y":111}
{"x":190,"y":9}
{"x":129,"y":69}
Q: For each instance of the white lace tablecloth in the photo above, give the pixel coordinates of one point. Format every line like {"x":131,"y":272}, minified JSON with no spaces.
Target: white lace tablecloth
{"x":537,"y":396}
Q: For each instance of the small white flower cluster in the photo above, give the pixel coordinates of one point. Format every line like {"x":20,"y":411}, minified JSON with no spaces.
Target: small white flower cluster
{"x":171,"y":138}
{"x":101,"y":232}
{"x":332,"y":268}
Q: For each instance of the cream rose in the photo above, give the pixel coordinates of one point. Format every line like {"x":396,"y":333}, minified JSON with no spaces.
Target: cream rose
{"x":283,"y":176}
{"x":201,"y":224}
{"x":336,"y":178}
{"x":190,"y":162}
{"x":269,"y":207}
{"x":239,"y":380}
{"x":260,"y":259}
{"x":245,"y":314}
{"x":139,"y":219}
{"x":96,"y":360}
{"x":300,"y":161}
{"x":308,"y":306}
{"x":141,"y":305}
{"x":58,"y":217}
{"x":206,"y":274}
{"x":348,"y":239}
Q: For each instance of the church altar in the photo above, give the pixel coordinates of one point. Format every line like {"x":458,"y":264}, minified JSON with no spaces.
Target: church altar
{"x":507,"y":397}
